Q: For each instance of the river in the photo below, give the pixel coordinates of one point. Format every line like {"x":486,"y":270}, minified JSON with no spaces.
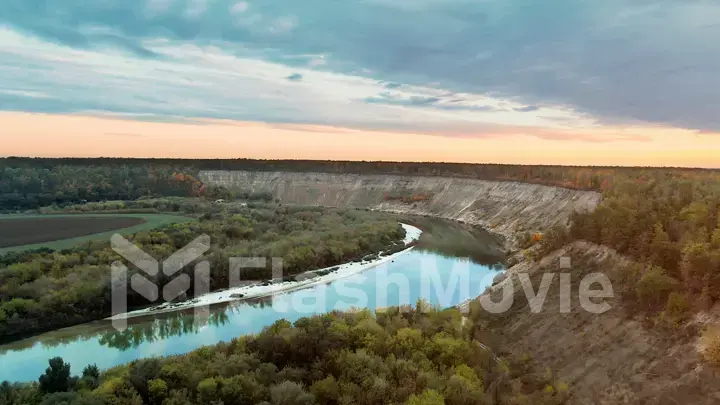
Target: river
{"x":451,"y":263}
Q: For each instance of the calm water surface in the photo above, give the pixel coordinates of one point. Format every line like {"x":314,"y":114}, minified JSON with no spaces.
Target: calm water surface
{"x":450,"y":264}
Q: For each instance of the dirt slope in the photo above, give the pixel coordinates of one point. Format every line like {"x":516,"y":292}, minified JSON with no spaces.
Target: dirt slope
{"x":504,"y":207}
{"x":610,"y":358}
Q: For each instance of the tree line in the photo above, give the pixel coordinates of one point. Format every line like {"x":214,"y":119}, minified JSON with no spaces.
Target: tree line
{"x":403,"y":355}
{"x":27,"y":183}
{"x":44,"y":289}
{"x":32,"y":183}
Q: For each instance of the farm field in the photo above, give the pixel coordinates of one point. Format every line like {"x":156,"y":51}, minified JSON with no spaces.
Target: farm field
{"x":24,"y":232}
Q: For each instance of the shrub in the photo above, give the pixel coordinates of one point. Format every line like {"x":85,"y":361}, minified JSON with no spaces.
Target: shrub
{"x":428,"y":397}
{"x":711,"y":341}
{"x":654,"y":287}
{"x":677,"y":306}
{"x":158,"y":390}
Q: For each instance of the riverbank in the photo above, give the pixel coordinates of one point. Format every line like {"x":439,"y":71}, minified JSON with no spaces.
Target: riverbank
{"x":255,"y":291}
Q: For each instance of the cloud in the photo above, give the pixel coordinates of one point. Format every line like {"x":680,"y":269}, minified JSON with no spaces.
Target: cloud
{"x":23,"y":93}
{"x":239,"y":7}
{"x":586,"y":63}
{"x":459,"y":107}
{"x":388,"y":99}
{"x":440,"y":103}
{"x":529,"y":108}
{"x":196,"y":8}
{"x":155,"y":7}
{"x":283,"y":25}
{"x":317,"y":61}
{"x":191,"y":81}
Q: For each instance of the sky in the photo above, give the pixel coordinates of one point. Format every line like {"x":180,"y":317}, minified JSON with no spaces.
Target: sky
{"x":634,"y":82}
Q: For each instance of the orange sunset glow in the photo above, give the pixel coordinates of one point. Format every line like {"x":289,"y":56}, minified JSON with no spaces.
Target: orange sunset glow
{"x":82,"y":136}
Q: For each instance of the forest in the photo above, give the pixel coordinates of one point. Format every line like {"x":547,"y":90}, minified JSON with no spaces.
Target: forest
{"x":32,"y":183}
{"x":668,"y":222}
{"x":28,"y":183}
{"x":42,"y":290}
{"x":403,"y":355}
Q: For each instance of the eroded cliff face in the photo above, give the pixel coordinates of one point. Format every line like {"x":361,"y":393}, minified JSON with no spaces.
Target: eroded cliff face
{"x":503,"y":207}
{"x":609,"y":358}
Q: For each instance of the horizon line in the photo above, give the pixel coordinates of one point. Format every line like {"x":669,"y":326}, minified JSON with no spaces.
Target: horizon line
{"x":5,"y":157}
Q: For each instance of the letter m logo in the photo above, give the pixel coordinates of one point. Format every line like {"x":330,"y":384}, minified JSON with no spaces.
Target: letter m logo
{"x":148,"y":265}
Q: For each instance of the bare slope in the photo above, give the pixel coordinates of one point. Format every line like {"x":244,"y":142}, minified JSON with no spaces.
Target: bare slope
{"x":610,"y":358}
{"x":505,"y":207}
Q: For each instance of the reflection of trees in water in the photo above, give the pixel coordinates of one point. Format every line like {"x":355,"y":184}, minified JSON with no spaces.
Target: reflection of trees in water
{"x":450,"y":239}
{"x":54,"y":339}
{"x":161,"y":328}
{"x":176,"y":324}
{"x":142,"y":331}
{"x":17,"y":346}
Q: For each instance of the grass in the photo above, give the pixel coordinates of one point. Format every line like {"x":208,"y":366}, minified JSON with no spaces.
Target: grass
{"x":152,"y":221}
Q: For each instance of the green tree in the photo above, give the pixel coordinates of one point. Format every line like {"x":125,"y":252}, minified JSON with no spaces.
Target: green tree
{"x":428,"y":397}
{"x":90,"y":377}
{"x":290,"y":393}
{"x":69,"y":398}
{"x":208,"y":391}
{"x":158,"y":390}
{"x":654,"y":287}
{"x":677,"y":306}
{"x":697,"y":265}
{"x":326,"y":391}
{"x":57,"y":377}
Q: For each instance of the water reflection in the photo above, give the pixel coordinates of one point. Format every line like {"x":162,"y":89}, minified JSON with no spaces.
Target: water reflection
{"x":443,"y":247}
{"x":160,"y":329}
{"x":140,"y":329}
{"x":456,"y":240}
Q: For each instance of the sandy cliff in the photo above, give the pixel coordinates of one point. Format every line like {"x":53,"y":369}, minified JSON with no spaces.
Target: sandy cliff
{"x":503,"y":207}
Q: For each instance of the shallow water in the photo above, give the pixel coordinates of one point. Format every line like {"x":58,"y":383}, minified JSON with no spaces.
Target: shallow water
{"x":451,"y":263}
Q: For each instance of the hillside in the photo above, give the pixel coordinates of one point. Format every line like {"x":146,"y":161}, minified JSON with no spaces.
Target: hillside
{"x":612,"y":358}
{"x":503,"y":207}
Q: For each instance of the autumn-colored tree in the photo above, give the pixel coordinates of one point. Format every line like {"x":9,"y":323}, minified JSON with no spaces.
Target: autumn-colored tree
{"x":697,"y":265}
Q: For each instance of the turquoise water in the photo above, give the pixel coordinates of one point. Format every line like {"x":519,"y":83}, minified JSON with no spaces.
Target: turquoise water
{"x":439,"y":278}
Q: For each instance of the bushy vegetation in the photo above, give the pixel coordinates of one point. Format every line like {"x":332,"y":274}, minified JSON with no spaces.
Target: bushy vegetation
{"x":399,"y":356}
{"x":711,"y":341}
{"x":408,"y":197}
{"x":32,"y":183}
{"x":45,"y":289}
{"x":668,"y":221}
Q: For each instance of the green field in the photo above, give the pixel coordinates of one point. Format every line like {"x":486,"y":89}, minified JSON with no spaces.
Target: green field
{"x":152,"y":221}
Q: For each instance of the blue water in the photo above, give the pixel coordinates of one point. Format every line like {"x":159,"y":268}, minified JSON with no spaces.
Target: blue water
{"x":403,"y":281}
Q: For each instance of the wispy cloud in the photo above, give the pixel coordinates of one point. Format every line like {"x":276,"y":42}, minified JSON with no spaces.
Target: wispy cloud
{"x":402,"y":65}
{"x":239,"y":7}
{"x":529,"y":108}
{"x":192,"y":81}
